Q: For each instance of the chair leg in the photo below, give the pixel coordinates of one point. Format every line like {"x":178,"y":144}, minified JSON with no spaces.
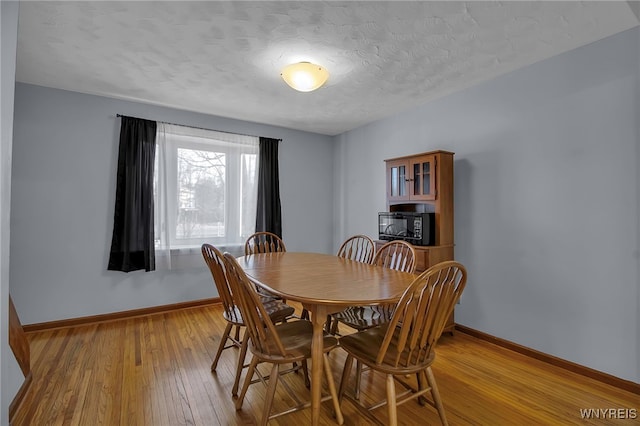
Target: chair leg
{"x":271,"y":390}
{"x":223,"y":341}
{"x":332,"y":389}
{"x":241,"y":358}
{"x":327,"y":324}
{"x":305,"y":371}
{"x":421,"y":386}
{"x":345,"y":377}
{"x":356,"y":392}
{"x":436,"y":395}
{"x":334,"y":326}
{"x":247,"y":382}
{"x":392,"y":406}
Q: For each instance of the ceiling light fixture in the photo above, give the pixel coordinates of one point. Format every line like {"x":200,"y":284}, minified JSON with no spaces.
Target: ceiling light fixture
{"x":304,"y":76}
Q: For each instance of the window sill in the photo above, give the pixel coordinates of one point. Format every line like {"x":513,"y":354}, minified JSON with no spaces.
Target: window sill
{"x":184,"y":257}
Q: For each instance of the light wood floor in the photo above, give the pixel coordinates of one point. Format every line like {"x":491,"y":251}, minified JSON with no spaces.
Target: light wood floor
{"x":155,"y":370}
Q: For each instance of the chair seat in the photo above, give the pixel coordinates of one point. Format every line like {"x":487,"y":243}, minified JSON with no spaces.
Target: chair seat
{"x":265,"y":294}
{"x":365,"y":317}
{"x":277,"y":310}
{"x":364,"y":346}
{"x":296,"y":338}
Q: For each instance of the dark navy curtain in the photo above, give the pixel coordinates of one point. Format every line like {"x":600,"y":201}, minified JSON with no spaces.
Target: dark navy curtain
{"x":268,"y":214}
{"x":132,"y":244}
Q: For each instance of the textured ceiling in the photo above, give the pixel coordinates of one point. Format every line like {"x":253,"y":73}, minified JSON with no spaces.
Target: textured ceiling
{"x":224,"y":58}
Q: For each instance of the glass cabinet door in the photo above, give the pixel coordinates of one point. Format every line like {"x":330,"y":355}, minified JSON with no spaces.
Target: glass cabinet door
{"x":397,"y":188}
{"x":423,"y":178}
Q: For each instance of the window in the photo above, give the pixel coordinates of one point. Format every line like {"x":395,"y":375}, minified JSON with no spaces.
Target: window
{"x":205,"y":190}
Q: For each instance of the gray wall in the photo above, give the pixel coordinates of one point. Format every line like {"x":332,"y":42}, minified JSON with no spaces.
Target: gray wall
{"x":64,"y":164}
{"x":11,"y":377}
{"x":546,"y":201}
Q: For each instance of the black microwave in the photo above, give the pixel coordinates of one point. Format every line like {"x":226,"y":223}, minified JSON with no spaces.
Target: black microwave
{"x":414,"y":228}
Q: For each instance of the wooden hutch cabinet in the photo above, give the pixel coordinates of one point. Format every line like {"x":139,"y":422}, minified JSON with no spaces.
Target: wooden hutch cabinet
{"x":423,"y":183}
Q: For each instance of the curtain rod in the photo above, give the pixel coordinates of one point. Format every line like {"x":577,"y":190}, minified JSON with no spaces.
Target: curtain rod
{"x":194,"y":127}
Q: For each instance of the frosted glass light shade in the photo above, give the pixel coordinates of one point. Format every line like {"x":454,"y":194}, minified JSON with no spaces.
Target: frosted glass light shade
{"x":304,"y":76}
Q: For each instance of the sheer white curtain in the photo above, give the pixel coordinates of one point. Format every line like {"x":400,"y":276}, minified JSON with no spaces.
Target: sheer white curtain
{"x":205,"y":191}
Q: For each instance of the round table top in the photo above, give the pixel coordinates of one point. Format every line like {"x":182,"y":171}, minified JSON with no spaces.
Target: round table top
{"x":317,"y":278}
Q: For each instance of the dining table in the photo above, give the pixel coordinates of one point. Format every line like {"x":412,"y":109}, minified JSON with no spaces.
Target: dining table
{"x":323,"y":284}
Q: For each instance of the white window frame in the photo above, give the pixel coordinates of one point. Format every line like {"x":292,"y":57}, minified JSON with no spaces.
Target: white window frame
{"x":172,"y":251}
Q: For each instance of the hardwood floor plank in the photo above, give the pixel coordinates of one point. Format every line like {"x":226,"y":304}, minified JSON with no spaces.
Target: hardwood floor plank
{"x":155,"y":370}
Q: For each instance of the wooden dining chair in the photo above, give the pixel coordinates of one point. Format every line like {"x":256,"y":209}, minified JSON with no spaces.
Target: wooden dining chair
{"x":263,"y":242}
{"x":359,"y":248}
{"x":279,"y":344}
{"x":276,"y":311}
{"x":398,"y":255}
{"x":406,"y":345}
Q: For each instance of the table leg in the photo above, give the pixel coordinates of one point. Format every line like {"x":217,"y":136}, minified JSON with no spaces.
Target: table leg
{"x":318,"y":318}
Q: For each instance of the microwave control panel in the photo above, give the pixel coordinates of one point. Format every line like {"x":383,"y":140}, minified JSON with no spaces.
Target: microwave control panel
{"x":417,"y":228}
